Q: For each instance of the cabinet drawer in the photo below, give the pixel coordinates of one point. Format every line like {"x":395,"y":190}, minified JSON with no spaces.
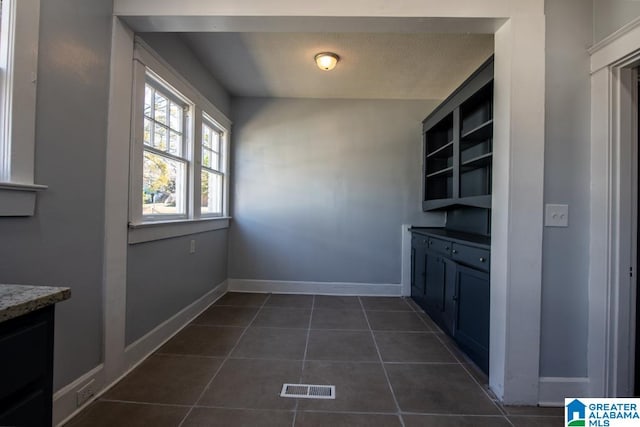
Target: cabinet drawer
{"x":419,"y":241}
{"x":474,"y":257}
{"x":440,"y":246}
{"x":32,"y":410}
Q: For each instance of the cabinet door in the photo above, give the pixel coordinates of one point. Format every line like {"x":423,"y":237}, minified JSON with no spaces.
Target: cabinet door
{"x":449,"y":296}
{"x":472,"y":316}
{"x":435,"y":273}
{"x":418,"y":252}
{"x":30,"y":411}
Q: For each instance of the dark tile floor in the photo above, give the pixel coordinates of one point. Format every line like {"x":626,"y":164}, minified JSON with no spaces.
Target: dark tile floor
{"x":390,"y":364}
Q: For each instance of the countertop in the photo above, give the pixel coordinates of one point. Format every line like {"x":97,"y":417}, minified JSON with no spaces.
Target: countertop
{"x":17,"y":300}
{"x":477,"y":240}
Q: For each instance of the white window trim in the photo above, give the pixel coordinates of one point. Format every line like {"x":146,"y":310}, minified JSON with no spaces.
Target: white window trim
{"x":224,"y":164}
{"x":187,"y":123}
{"x":19,"y":59}
{"x":142,"y":229}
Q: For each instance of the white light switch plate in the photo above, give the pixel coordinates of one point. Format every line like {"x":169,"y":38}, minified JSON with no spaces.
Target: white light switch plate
{"x":556,"y":216}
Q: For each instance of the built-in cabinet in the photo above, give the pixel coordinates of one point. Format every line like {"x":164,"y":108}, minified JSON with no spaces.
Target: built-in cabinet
{"x":450,"y":266}
{"x":458,"y":146}
{"x":26,"y":368}
{"x":450,"y":281}
{"x":26,"y":353}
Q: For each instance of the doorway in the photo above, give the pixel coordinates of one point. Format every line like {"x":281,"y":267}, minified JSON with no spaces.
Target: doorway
{"x":636,"y":359}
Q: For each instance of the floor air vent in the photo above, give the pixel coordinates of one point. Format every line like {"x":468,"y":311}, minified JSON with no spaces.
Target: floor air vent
{"x":308,"y":391}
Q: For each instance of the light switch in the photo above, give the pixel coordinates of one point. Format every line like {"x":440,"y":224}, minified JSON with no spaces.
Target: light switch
{"x":556,"y":216}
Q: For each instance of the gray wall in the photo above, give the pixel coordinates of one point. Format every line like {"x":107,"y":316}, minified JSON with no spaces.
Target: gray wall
{"x":321,"y":188}
{"x":163,"y":277}
{"x":565,"y":250}
{"x":63,"y":243}
{"x":610,"y":15}
{"x":173,"y":50}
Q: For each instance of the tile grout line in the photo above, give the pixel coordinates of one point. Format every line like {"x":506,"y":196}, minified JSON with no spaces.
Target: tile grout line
{"x":384,"y":369}
{"x":304,"y":359}
{"x":227,"y":357}
{"x":498,"y":406}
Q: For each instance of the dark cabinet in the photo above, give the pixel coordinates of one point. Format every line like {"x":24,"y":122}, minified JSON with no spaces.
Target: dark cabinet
{"x":450,"y":281}
{"x":458,"y":146}
{"x":26,"y":369}
{"x":418,"y":269}
{"x":440,"y":290}
{"x":472,"y":319}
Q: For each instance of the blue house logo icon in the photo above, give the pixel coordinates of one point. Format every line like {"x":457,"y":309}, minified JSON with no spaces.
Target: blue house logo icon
{"x":576,"y":413}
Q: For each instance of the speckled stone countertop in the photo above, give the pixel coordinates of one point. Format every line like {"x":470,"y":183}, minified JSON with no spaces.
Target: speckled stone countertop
{"x":16,"y":300}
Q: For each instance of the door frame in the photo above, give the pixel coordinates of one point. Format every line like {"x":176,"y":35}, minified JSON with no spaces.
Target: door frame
{"x":613,"y":223}
{"x":518,"y":159}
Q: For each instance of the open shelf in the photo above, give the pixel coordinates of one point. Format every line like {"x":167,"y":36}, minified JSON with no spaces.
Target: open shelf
{"x":458,"y":146}
{"x":444,"y":151}
{"x":446,"y":171}
{"x":439,"y":136}
{"x":482,"y":132}
{"x":479,"y":161}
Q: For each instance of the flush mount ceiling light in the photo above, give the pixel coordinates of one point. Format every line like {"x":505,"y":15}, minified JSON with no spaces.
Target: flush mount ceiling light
{"x":326,"y":60}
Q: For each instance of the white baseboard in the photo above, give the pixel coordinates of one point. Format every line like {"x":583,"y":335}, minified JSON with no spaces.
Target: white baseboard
{"x":139,"y":350}
{"x":317,"y":288}
{"x":64,"y":400}
{"x":553,"y":390}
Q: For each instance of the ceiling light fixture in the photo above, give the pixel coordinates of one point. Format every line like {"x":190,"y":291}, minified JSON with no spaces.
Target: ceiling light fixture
{"x":326,"y":60}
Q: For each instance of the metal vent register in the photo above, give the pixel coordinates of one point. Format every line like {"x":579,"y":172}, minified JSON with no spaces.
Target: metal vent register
{"x":308,"y":391}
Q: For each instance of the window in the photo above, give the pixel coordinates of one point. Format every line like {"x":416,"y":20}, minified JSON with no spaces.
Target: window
{"x":179,"y":148}
{"x":18,"y":67}
{"x":212,"y":175}
{"x":164,"y":171}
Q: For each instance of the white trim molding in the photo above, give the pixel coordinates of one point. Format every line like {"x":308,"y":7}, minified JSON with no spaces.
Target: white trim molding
{"x":117,"y":199}
{"x":65,"y":404}
{"x":613,"y":188}
{"x":315,"y":288}
{"x":553,"y":390}
{"x":150,"y":231}
{"x":615,"y":47}
{"x":142,"y":348}
{"x":18,"y":199}
{"x":65,"y":400}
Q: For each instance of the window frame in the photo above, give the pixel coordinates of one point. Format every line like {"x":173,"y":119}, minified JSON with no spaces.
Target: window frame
{"x":223,"y":164}
{"x":148,"y":64}
{"x":19,"y":34}
{"x":185,"y":157}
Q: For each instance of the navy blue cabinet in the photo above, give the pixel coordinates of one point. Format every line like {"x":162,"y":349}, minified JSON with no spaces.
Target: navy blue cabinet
{"x":472,"y":316}
{"x":450,"y":281}
{"x":458,"y":146}
{"x":418,"y":269}
{"x":26,"y":369}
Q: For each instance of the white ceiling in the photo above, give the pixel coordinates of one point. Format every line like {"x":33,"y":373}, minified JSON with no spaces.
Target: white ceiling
{"x":372,"y":65}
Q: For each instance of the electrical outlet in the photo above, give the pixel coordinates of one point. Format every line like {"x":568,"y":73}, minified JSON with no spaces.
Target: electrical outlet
{"x":85,"y":393}
{"x":556,"y":215}
{"x":192,"y":247}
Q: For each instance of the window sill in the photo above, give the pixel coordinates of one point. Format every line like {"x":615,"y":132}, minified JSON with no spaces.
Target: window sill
{"x":18,"y":199}
{"x":158,"y":230}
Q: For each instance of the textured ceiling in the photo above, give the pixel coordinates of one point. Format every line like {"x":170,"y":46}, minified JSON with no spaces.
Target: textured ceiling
{"x":372,"y":65}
